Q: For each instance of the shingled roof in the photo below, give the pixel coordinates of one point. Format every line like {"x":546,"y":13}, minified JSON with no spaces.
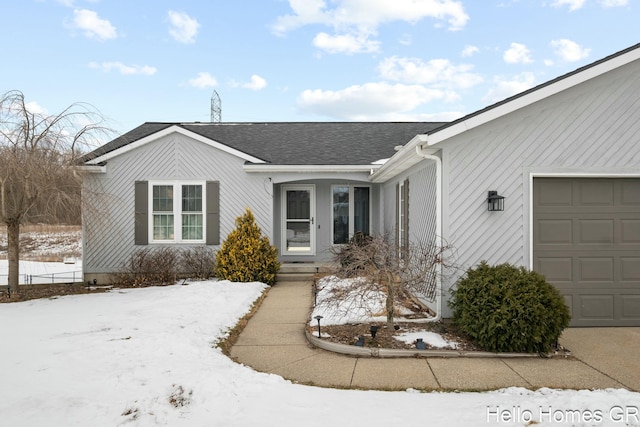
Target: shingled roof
{"x":294,"y":143}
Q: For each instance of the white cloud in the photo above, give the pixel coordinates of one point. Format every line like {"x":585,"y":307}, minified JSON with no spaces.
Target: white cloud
{"x":92,"y":25}
{"x":568,"y":50}
{"x":504,"y":88}
{"x":573,"y":4}
{"x":204,"y":80}
{"x":406,"y":40}
{"x":361,"y":18}
{"x":437,"y":72}
{"x":613,"y":3}
{"x":346,"y":43}
{"x":579,"y":4}
{"x":469,"y":50}
{"x":183,"y":28}
{"x":517,"y":54}
{"x":370,"y":101}
{"x":35,"y":108}
{"x":256,"y":83}
{"x":123,"y":68}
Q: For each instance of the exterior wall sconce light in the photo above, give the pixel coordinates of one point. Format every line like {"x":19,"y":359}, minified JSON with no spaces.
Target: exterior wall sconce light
{"x":373,"y":330}
{"x":318,"y":317}
{"x":495,"y":202}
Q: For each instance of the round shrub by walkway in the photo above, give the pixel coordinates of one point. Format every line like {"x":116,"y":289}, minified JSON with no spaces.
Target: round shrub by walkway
{"x":505,"y":308}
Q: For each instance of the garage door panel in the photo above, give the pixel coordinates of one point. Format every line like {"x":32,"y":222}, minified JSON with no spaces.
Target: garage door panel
{"x":630,"y":231}
{"x":554,"y":193}
{"x":592,"y":269}
{"x":595,"y":231}
{"x":630,"y":269}
{"x":630,"y":307}
{"x":629,"y":193}
{"x":595,"y":306}
{"x":596,"y":193}
{"x":555,"y":231}
{"x":556,"y":269}
{"x":568,"y":300}
{"x":586,"y":241}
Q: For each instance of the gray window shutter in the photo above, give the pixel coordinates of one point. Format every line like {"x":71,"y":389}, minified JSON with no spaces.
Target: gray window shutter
{"x":405,"y":208}
{"x":397,"y":225}
{"x":141,"y":213}
{"x":213,"y":213}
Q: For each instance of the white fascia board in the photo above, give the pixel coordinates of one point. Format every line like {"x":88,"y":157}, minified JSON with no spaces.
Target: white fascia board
{"x":310,"y":168}
{"x":92,"y":168}
{"x":168,"y":131}
{"x":535,"y":96}
{"x":401,"y":161}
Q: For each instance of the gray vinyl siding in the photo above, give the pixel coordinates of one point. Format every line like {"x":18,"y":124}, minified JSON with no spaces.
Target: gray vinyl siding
{"x":590,"y":128}
{"x":422,"y":211}
{"x":422,"y":202}
{"x":109,"y":224}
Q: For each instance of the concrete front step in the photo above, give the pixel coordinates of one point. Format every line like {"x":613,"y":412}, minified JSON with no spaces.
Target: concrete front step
{"x":299,"y":271}
{"x":294,"y":277}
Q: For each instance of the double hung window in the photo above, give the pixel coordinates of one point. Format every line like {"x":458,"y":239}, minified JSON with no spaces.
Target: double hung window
{"x":177,"y":212}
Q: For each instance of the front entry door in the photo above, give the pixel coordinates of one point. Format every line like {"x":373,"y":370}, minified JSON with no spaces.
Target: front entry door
{"x":298,"y":217}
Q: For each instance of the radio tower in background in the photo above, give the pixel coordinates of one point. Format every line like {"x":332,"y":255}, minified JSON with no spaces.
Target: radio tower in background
{"x":216,"y":108}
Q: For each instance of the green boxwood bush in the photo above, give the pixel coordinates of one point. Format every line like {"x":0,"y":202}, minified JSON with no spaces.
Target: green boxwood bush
{"x":504,"y":308}
{"x":246,"y":255}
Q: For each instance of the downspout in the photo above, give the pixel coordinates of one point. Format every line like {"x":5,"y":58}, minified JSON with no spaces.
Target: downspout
{"x":420,"y":152}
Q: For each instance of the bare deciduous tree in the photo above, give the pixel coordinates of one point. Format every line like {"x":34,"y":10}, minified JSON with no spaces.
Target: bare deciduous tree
{"x":37,"y":155}
{"x":379,"y":264}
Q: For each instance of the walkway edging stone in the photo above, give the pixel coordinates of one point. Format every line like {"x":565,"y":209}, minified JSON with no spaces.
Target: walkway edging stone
{"x":352,"y":350}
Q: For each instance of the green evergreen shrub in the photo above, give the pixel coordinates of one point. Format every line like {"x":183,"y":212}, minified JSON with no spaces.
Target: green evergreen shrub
{"x":505,"y":308}
{"x":246,"y":255}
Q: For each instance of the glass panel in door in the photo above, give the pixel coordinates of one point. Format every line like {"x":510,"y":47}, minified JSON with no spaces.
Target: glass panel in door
{"x":298,"y":220}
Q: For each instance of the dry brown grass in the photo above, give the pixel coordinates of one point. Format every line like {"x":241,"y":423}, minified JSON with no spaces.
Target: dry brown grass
{"x":45,"y":242}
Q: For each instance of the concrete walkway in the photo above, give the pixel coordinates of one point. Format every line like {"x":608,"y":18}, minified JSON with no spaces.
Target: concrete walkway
{"x":274,"y":341}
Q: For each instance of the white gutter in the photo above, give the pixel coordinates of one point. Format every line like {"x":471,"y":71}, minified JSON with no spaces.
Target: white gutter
{"x":420,"y":152}
{"x":271,"y":168}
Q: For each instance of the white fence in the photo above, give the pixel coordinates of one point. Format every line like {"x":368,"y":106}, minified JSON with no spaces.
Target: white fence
{"x":34,"y":273}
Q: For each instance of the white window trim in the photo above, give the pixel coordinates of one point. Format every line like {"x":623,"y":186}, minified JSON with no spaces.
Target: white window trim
{"x":177,"y":211}
{"x":351,"y":209}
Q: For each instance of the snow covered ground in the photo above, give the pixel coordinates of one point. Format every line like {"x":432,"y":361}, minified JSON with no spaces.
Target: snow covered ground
{"x":146,"y":357}
{"x":35,"y":272}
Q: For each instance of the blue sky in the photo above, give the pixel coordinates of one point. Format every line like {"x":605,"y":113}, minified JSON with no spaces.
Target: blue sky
{"x":299,"y":60}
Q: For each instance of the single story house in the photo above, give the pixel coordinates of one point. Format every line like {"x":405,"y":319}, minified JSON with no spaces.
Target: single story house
{"x":560,"y":162}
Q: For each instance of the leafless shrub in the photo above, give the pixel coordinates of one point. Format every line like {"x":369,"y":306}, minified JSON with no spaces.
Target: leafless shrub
{"x":149,"y":266}
{"x":377,"y":260}
{"x":198,"y":262}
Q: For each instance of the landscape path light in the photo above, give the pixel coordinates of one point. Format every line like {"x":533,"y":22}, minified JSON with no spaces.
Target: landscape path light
{"x":318,"y":317}
{"x":374,"y":330}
